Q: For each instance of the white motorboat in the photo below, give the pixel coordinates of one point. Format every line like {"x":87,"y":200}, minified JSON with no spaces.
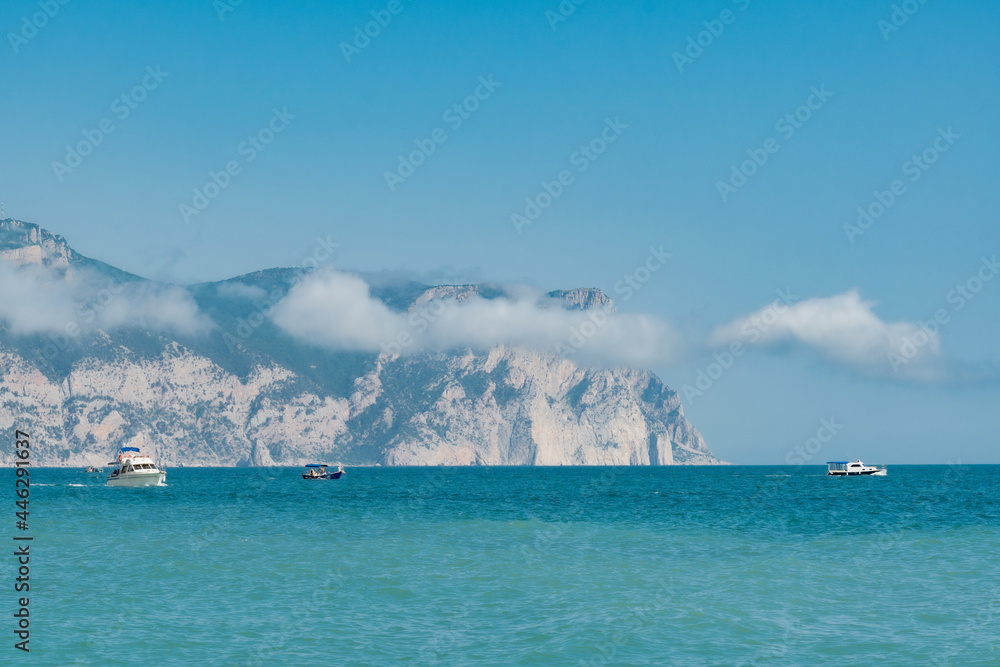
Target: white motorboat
{"x":133,"y":468}
{"x":851,"y":468}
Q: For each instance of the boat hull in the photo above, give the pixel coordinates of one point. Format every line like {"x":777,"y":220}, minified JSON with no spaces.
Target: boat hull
{"x":329,"y":475}
{"x":138,"y":479}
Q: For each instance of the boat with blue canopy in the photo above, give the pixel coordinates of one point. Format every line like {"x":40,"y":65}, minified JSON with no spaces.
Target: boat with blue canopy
{"x":133,"y":468}
{"x":319,"y":471}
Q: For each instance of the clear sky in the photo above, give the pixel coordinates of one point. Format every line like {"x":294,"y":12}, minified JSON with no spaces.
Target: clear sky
{"x":833,"y":99}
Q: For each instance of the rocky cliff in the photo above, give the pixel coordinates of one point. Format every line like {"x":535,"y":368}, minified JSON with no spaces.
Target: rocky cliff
{"x":241,"y":392}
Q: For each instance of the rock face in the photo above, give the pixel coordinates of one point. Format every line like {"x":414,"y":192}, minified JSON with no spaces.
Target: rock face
{"x":24,"y":243}
{"x":517,"y":407}
{"x":584,"y":298}
{"x":256,"y":398}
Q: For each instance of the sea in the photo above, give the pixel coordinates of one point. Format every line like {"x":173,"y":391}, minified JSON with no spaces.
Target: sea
{"x":713,"y":565}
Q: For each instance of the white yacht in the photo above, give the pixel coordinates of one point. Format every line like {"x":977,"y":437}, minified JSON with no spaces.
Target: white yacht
{"x":844,"y":468}
{"x":133,"y":468}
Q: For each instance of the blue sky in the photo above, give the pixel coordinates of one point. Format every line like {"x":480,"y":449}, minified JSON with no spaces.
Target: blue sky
{"x":889,"y":95}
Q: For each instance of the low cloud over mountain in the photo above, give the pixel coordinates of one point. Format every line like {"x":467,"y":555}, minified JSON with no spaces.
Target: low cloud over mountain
{"x":337,"y":310}
{"x":283,"y":366}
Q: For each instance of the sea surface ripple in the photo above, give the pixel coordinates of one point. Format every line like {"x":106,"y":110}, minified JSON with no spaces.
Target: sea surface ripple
{"x":728,"y":565}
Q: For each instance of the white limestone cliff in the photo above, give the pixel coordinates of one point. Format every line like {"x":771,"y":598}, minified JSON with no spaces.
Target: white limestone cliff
{"x":240,"y":405}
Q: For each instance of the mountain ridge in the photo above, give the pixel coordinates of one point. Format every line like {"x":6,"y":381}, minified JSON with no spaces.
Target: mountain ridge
{"x":241,"y":391}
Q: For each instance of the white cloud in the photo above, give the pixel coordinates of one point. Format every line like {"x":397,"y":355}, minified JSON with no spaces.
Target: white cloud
{"x":336,"y":310}
{"x":156,"y":307}
{"x":844,"y":329}
{"x":34,"y":299}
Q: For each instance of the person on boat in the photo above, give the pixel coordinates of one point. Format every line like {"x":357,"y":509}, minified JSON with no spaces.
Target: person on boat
{"x":322,"y":471}
{"x":312,"y":472}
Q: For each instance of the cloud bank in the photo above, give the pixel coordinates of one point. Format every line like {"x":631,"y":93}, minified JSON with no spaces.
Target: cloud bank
{"x":844,"y":329}
{"x":34,"y":299}
{"x":336,"y":310}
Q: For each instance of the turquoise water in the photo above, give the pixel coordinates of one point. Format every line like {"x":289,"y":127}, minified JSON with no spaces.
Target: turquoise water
{"x":533,"y":566}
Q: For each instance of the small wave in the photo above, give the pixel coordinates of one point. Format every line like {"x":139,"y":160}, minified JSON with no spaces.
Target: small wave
{"x":36,"y":484}
{"x":777,"y":475}
{"x":72,"y":485}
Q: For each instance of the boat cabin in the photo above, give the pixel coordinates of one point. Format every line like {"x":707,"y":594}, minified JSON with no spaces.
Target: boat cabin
{"x":837,"y":467}
{"x":133,"y":468}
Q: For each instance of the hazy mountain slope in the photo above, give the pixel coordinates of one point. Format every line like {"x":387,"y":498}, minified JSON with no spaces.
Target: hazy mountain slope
{"x":240,"y":391}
